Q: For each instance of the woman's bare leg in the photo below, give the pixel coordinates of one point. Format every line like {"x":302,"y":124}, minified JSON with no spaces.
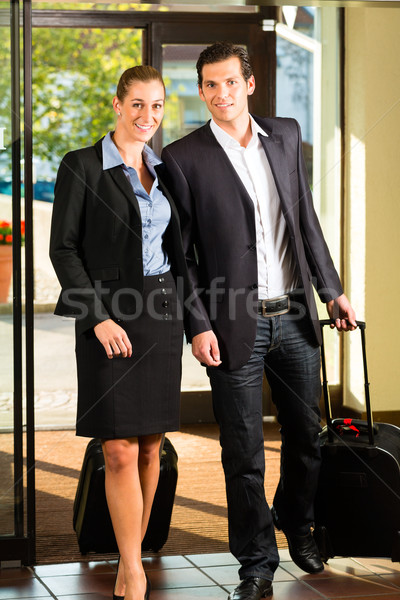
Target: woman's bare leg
{"x":149,"y":473}
{"x":132,"y":471}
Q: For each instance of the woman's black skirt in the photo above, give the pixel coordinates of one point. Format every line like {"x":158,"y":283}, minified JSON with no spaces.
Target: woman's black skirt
{"x":129,"y":397}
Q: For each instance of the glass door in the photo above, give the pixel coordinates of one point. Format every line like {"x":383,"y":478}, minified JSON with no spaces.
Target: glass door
{"x":17,"y":512}
{"x":175,"y":48}
{"x":71,"y":61}
{"x":76,"y":68}
{"x":7,"y":448}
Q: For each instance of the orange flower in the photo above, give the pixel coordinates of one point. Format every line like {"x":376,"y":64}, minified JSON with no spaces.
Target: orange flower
{"x":6,"y":236}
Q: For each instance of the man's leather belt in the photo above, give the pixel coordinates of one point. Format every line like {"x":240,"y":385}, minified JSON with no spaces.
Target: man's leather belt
{"x":274,"y":307}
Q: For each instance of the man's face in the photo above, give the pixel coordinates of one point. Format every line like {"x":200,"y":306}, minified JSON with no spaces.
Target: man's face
{"x":225,"y":91}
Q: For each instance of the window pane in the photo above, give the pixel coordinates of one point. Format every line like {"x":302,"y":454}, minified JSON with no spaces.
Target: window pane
{"x":184,"y":111}
{"x":6,"y":314}
{"x":294,"y":91}
{"x":308,"y":88}
{"x":300,"y":19}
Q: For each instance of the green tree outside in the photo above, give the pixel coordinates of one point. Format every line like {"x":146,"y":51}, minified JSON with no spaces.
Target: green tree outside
{"x":75,"y":73}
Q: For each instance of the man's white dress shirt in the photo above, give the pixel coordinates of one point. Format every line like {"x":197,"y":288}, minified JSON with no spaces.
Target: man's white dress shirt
{"x":277,"y":273}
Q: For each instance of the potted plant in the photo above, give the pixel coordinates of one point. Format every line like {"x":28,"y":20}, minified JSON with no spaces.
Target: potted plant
{"x":6,"y":239}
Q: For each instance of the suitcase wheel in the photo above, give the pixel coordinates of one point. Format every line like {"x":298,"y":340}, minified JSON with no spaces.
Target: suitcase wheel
{"x":321,"y":537}
{"x":396,"y":547}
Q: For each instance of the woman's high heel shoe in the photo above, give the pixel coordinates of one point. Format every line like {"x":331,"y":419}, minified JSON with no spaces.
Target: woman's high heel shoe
{"x":147,"y":593}
{"x":115,"y":597}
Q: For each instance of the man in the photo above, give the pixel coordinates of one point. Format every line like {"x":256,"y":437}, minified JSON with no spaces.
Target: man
{"x":254,"y":248}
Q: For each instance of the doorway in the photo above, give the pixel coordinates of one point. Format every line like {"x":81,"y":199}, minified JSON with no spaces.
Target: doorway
{"x":72,"y":60}
{"x":76,"y":57}
{"x":72,"y":92}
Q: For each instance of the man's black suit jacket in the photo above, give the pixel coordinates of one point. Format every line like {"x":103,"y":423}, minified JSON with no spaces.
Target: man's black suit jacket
{"x":96,"y":240}
{"x":219,"y":234}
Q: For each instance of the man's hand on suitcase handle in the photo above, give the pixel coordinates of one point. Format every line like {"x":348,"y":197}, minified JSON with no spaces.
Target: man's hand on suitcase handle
{"x":342,"y":314}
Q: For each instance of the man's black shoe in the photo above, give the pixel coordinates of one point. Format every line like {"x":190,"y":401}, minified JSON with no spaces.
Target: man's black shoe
{"x":252,"y":588}
{"x":302,"y":548}
{"x":304,"y":552}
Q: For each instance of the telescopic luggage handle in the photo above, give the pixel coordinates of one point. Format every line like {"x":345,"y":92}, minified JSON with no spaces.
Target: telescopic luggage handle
{"x":328,"y":409}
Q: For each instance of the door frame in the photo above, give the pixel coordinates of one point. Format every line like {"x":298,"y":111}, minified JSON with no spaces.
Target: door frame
{"x":20,"y":546}
{"x":238,"y":28}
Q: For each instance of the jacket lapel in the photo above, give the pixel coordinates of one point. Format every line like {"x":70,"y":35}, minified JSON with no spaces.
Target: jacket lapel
{"x":161,"y":176}
{"x":219,"y":156}
{"x":124,"y":185}
{"x":120,"y":179}
{"x":275,"y":151}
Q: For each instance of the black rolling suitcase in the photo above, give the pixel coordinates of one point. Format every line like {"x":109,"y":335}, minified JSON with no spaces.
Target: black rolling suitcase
{"x":91,"y":519}
{"x":357,"y":506}
{"x":160,"y":517}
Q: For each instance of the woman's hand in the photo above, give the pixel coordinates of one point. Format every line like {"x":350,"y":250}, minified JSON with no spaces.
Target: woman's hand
{"x":114,"y":339}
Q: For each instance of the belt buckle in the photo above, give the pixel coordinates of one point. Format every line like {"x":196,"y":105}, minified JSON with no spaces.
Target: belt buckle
{"x":277,"y":313}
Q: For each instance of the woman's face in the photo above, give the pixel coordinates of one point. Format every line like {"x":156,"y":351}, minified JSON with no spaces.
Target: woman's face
{"x":141,"y":112}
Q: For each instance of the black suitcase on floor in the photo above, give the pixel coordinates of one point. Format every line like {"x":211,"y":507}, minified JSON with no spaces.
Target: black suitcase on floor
{"x":91,"y":519}
{"x":357,"y":506}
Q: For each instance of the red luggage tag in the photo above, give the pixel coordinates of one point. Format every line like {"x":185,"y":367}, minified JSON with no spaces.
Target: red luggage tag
{"x":347,"y":425}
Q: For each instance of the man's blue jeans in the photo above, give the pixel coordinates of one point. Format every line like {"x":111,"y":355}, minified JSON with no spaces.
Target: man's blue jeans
{"x":286,"y":350}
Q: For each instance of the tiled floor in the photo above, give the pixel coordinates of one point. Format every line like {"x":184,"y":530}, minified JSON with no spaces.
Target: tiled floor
{"x":205,"y":576}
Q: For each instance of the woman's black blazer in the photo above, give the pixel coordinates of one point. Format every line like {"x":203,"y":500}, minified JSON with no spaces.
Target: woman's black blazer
{"x":96,"y":240}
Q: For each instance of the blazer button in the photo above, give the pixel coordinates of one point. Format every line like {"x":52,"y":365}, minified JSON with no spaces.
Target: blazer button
{"x":254,"y":286}
{"x":161,"y":279}
{"x":165,"y":304}
{"x":164,"y":291}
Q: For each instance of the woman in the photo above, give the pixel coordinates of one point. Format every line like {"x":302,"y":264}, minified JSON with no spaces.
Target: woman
{"x":117,"y":251}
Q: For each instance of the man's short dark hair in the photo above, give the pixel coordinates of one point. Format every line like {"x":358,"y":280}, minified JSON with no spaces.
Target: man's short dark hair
{"x":222,"y":51}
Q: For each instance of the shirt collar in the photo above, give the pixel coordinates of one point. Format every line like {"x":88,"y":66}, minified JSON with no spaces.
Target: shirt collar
{"x":227,"y":141}
{"x":256,"y":129}
{"x":112,"y":158}
{"x":150,"y":157}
